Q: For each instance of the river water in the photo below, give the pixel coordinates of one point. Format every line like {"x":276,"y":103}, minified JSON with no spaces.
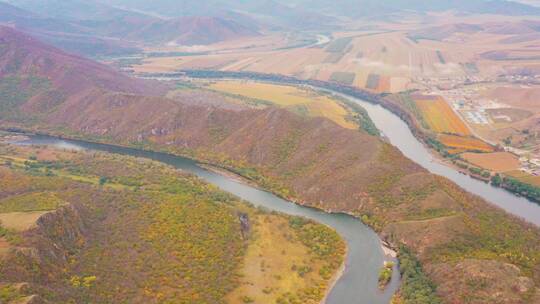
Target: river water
{"x":399,"y":135}
{"x":359,"y":282}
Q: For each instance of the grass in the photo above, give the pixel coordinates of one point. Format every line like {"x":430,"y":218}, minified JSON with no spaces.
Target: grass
{"x":294,"y":98}
{"x":37,"y":201}
{"x":440,"y":117}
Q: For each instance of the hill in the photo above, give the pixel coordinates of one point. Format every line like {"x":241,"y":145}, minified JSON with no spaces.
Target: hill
{"x":41,"y":76}
{"x":89,"y":227}
{"x":191,"y":31}
{"x":68,"y":35}
{"x":471,"y":250}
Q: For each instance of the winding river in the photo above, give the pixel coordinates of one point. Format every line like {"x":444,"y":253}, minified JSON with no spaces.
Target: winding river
{"x":399,"y":135}
{"x":359,"y":282}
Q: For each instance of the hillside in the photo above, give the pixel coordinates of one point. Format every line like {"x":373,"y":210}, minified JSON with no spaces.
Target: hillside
{"x":86,"y":227}
{"x":472,"y":251}
{"x":42,"y":77}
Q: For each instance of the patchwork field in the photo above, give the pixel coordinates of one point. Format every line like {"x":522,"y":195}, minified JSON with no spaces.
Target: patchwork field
{"x":301,"y":101}
{"x":439,"y":116}
{"x":497,"y":162}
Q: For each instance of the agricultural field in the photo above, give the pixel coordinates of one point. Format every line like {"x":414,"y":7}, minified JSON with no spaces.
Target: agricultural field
{"x":464,"y":143}
{"x":496,"y":162}
{"x":343,"y":77}
{"x":524,"y":177}
{"x":301,"y":101}
{"x":439,"y":116}
{"x":138,"y":231}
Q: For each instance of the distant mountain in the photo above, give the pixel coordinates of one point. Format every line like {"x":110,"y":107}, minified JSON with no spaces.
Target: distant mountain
{"x":524,"y":30}
{"x":73,"y":10}
{"x":68,"y":35}
{"x":283,"y":9}
{"x":182,"y":30}
{"x":444,"y":31}
{"x":271,"y":13}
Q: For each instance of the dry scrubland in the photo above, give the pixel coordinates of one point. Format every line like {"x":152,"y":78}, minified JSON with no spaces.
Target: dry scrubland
{"x":119,"y":229}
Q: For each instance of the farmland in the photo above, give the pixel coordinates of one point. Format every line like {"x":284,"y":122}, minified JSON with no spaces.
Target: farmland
{"x":464,"y":143}
{"x":439,"y":116}
{"x":496,"y":162}
{"x":301,"y":101}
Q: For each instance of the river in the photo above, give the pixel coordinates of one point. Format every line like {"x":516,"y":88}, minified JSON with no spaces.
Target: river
{"x":359,"y":282}
{"x":400,"y":136}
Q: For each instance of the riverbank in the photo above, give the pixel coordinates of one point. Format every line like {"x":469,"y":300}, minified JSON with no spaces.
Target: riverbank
{"x":389,"y":253}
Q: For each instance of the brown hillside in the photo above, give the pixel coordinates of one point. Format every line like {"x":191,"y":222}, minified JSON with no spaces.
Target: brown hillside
{"x":21,"y":55}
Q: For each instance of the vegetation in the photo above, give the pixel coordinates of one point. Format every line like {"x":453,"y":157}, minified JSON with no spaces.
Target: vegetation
{"x":151,"y":233}
{"x":514,"y":185}
{"x":416,"y":287}
{"x":14,"y":90}
{"x":385,"y":274}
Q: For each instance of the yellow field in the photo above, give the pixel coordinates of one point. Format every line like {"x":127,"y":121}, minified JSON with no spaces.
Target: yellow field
{"x":464,"y":143}
{"x":290,"y":97}
{"x":497,"y":161}
{"x":440,"y":117}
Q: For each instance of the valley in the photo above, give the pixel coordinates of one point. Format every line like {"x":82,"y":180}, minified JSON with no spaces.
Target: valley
{"x":164,"y":202}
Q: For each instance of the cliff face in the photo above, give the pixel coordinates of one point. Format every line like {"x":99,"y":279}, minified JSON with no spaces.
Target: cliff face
{"x":46,"y":249}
